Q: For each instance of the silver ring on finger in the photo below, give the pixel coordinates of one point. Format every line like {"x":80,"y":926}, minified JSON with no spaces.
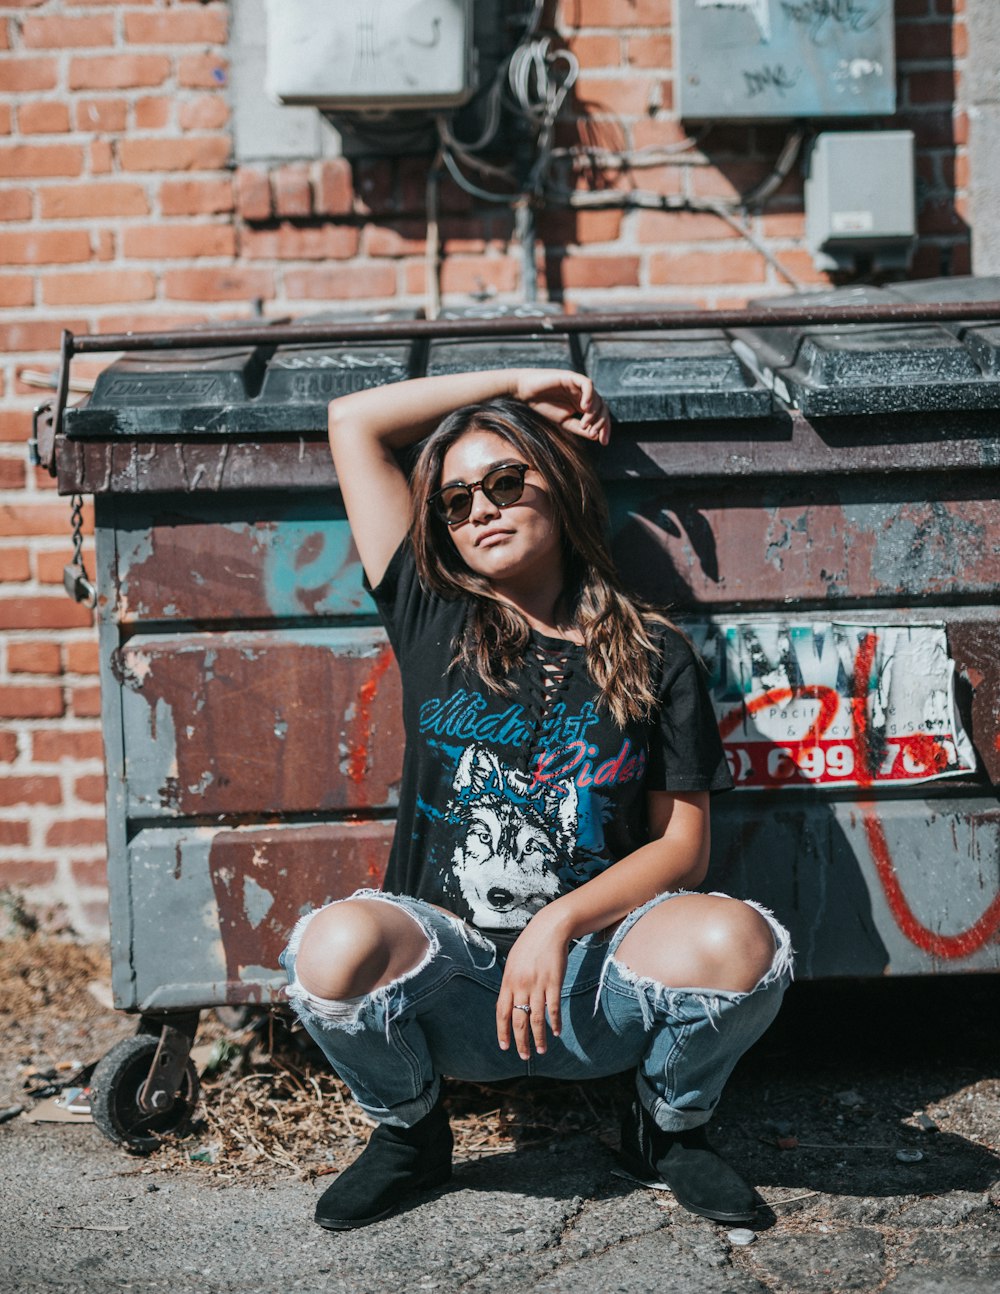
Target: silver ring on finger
{"x":523,"y":1006}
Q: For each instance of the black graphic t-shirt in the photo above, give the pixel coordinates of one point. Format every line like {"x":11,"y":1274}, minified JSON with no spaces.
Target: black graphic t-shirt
{"x":508,"y":801}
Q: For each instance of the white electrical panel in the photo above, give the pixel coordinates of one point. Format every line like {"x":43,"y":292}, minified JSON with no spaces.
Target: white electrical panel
{"x":365,"y":55}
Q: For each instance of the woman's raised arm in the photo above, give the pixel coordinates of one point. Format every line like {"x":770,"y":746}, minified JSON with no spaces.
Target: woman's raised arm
{"x":367,"y":428}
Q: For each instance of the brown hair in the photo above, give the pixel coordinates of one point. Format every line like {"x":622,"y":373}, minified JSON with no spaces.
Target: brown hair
{"x":616,"y":627}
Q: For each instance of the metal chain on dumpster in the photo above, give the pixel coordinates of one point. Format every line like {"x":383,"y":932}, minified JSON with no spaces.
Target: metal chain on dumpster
{"x":75,"y":579}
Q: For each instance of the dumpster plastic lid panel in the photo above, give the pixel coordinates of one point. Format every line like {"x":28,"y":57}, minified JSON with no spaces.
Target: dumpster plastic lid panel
{"x":862,"y":369}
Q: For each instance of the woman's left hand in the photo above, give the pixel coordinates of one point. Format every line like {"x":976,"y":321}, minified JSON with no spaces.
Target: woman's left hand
{"x":533,"y":977}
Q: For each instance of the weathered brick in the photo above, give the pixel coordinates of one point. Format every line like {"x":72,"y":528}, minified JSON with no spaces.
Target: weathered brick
{"x":21,"y":75}
{"x":8,"y":747}
{"x":613,"y":13}
{"x":21,"y":161}
{"x":45,"y":247}
{"x":800,"y":264}
{"x":49,"y":746}
{"x":196,"y":197}
{"x":101,"y":158}
{"x":292,"y":190}
{"x":81,"y":657}
{"x":15,"y":565}
{"x":25,"y":873}
{"x":931,"y":87}
{"x":103,"y":198}
{"x":16,"y":204}
{"x":333,"y":189}
{"x":39,"y":117}
{"x":89,"y":788}
{"x":703,"y":268}
{"x":574,"y":227}
{"x":341,"y":282}
{"x":15,"y":424}
{"x":49,"y":564}
{"x":202,"y":71}
{"x":925,"y":41}
{"x":649,"y":51}
{"x":253,"y":193}
{"x":99,"y":286}
{"x":596,"y":51}
{"x":178,"y":242}
{"x":29,"y":790}
{"x":76,"y":831}
{"x":6,"y":119}
{"x":33,"y":657}
{"x":207,"y":112}
{"x":89,"y":871}
{"x":85,"y":702}
{"x":118,"y":71}
{"x":65,"y":32}
{"x":41,"y":612}
{"x":236,"y":284}
{"x":39,"y":518}
{"x":189,"y":26}
{"x":31,"y":701}
{"x":17,"y":290}
{"x":594,"y":271}
{"x":681,"y":227}
{"x":152,"y":112}
{"x":198,"y":153}
{"x":13,"y":473}
{"x":100,"y":114}
{"x":297,"y":242}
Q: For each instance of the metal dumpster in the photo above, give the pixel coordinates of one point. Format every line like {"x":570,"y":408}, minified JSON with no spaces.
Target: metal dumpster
{"x":816,"y":504}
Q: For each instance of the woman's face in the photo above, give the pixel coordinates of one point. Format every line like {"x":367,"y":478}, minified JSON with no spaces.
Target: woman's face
{"x":515,"y":545}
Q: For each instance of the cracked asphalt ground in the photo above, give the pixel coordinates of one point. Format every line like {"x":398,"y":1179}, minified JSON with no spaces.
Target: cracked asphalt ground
{"x":850,"y":1074}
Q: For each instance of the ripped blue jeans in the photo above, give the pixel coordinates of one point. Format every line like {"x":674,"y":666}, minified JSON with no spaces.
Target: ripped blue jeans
{"x":392,"y":1046}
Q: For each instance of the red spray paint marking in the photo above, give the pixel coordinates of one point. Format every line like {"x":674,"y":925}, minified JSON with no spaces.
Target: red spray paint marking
{"x":826,"y":696}
{"x":929,"y":752}
{"x":923,"y":749}
{"x":358,"y":763}
{"x":948,"y":947}
{"x":859,"y":709}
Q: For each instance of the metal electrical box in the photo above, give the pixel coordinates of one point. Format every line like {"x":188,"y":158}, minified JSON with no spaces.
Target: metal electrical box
{"x":860,"y":199}
{"x":370,"y":54}
{"x":753,"y":59}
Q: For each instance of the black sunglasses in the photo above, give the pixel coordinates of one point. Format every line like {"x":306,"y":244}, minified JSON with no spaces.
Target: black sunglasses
{"x":502,"y":485}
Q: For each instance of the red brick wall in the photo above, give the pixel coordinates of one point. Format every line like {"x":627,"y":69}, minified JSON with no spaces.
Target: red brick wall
{"x":120,"y":208}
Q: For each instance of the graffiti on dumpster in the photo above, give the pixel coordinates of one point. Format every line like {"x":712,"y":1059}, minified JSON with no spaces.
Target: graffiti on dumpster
{"x":834,"y":704}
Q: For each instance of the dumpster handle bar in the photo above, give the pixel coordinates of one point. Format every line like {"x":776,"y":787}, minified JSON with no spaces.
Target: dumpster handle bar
{"x":529,"y":321}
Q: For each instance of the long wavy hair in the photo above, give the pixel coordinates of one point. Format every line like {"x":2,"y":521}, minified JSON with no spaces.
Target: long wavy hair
{"x":616,"y":627}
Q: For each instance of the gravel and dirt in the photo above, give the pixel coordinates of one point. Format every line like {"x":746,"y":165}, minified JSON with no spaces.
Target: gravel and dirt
{"x":868,"y":1118}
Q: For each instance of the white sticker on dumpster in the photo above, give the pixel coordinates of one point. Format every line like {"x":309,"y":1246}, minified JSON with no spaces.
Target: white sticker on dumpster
{"x":834,"y":703}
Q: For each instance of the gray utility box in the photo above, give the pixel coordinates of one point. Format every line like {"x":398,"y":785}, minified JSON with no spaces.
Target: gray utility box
{"x":860,"y":199}
{"x":817,"y":506}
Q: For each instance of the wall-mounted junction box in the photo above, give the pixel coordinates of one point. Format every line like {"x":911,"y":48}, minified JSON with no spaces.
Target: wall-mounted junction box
{"x":860,"y":199}
{"x":760,"y":59}
{"x":370,"y":55}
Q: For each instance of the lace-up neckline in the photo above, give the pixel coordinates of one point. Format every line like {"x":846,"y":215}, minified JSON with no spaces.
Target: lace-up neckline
{"x":549,"y":666}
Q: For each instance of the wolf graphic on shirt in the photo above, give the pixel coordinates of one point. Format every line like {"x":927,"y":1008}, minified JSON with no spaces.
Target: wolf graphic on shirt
{"x":513,"y":836}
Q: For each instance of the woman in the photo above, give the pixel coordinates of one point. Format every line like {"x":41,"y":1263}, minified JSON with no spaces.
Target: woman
{"x":554,"y":808}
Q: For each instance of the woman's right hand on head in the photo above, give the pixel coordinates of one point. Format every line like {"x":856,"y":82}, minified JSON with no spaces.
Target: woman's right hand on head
{"x":566,"y":398}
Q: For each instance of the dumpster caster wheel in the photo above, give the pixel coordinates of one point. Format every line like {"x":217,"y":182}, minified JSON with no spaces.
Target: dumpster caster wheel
{"x":114,"y":1096}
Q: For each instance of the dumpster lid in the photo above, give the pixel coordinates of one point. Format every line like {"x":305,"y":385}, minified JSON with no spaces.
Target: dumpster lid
{"x":535,"y":350}
{"x":861,"y":369}
{"x":248,"y":391}
{"x":684,"y":375}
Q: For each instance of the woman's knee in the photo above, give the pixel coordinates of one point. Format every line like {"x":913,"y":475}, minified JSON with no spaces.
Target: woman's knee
{"x":355,"y":946}
{"x":700,"y":940}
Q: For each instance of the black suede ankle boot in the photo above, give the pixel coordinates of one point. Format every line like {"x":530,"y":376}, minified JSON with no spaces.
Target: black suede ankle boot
{"x":700,"y":1179}
{"x":396,"y":1163}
